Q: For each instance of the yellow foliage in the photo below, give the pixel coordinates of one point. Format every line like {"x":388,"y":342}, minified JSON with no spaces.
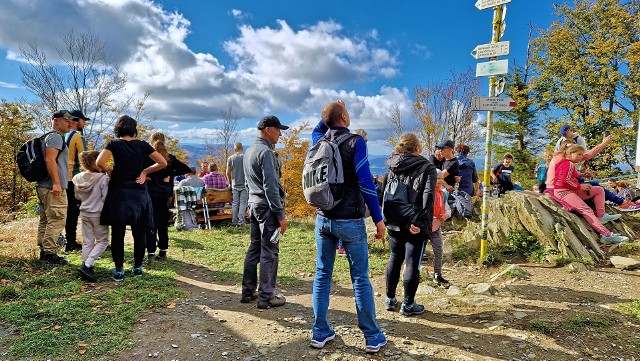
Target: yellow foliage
{"x":292,"y":160}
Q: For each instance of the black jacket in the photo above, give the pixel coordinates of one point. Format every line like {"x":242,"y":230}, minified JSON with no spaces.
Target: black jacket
{"x":157,"y":187}
{"x":420,"y":176}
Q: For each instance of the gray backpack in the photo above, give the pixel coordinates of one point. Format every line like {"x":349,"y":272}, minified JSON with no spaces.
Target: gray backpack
{"x":322,"y":173}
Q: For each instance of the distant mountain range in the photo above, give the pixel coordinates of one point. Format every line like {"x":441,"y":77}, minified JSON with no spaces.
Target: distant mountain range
{"x":376,"y":162}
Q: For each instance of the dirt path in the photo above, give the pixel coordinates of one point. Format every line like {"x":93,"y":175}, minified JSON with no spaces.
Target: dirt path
{"x":573,"y":308}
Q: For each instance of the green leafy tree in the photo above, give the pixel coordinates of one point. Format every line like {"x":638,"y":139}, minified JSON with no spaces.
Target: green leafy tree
{"x":587,"y":66}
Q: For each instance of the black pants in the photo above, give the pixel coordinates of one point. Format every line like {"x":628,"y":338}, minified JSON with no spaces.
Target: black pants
{"x":117,"y":244}
{"x":73,"y":212}
{"x":159,"y":234}
{"x":405,"y":247}
{"x":261,"y":250}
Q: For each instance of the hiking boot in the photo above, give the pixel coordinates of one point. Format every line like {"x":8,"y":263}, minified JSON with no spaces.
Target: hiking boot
{"x":375,"y":344}
{"x":137,"y":271}
{"x":247,"y":299}
{"x":87,"y":273}
{"x":319,"y":342}
{"x":52,"y":258}
{"x":151,"y":257}
{"x":412,"y":309}
{"x":117,"y":274}
{"x":391,"y":303}
{"x":276,"y":301}
{"x":440,"y":281}
{"x":613,"y":238}
{"x":606,"y":218}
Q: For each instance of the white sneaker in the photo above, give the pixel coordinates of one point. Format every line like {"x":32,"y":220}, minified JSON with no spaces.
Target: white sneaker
{"x":606,"y":218}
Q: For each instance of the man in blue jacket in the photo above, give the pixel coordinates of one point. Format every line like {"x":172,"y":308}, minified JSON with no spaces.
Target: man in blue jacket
{"x":346,"y":222}
{"x":266,"y":203}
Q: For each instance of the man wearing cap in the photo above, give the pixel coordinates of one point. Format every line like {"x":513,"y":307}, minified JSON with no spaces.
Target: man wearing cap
{"x":76,"y":144}
{"x":267,"y":219}
{"x":52,"y":196}
{"x":566,"y":132}
{"x":449,"y":164}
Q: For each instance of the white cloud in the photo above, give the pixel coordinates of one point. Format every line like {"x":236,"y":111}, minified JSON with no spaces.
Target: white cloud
{"x":8,"y":85}
{"x":278,"y":69}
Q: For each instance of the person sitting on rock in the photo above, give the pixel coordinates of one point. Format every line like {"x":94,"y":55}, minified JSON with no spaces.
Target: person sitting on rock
{"x":572,"y":193}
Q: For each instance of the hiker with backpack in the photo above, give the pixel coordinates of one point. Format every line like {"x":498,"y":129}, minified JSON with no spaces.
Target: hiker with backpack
{"x":76,"y":143}
{"x":407,"y":207}
{"x":337,"y":180}
{"x":52,"y":189}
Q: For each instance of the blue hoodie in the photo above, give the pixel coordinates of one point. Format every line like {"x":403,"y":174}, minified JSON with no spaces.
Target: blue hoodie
{"x":468,"y":175}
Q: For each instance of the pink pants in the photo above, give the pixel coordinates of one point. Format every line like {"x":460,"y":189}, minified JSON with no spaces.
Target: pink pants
{"x":576,"y":201}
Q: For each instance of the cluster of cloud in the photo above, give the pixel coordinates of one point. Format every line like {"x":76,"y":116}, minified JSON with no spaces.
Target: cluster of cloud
{"x":277,"y":70}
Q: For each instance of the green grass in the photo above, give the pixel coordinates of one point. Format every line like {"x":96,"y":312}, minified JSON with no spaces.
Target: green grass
{"x":589,"y":322}
{"x":631,"y":308}
{"x":56,"y":314}
{"x":542,"y":326}
{"x":297,"y":257}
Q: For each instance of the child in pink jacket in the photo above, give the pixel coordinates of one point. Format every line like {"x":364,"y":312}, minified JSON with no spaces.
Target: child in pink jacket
{"x":569,"y":190}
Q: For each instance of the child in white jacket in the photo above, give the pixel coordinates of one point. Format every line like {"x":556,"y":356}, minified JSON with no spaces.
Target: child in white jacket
{"x":91,"y":190}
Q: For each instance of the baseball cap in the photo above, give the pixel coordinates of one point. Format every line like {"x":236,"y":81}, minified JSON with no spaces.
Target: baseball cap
{"x":78,"y":114}
{"x":63,"y":114}
{"x":564,"y":129}
{"x":271,"y":121}
{"x":445,"y":143}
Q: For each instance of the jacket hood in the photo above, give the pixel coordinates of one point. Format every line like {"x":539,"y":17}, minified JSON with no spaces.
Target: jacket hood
{"x":463,"y":161}
{"x":405,"y":163}
{"x":86,"y":180}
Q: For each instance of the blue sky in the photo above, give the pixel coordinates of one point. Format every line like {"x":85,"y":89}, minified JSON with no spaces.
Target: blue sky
{"x":286,"y":58}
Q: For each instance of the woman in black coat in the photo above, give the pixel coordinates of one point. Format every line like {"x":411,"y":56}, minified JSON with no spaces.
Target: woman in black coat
{"x":408,"y":212}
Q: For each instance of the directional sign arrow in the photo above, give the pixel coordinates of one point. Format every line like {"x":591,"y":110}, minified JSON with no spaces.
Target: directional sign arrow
{"x":491,"y":50}
{"x":486,"y":4}
{"x":492,"y":103}
{"x":490,"y":68}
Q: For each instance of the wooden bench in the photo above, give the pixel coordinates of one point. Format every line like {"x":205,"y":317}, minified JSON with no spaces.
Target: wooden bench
{"x":213,"y":196}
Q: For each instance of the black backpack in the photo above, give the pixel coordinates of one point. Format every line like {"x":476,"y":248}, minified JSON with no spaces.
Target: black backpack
{"x":30,"y":159}
{"x":397,"y":208}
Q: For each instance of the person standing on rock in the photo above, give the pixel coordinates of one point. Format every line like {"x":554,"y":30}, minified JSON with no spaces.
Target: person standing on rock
{"x":346,"y":222}
{"x":267,"y":220}
{"x":408,"y":231}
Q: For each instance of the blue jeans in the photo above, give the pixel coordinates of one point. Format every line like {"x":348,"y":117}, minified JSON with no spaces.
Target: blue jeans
{"x":353,"y":234}
{"x":608,"y":195}
{"x":239,"y":205}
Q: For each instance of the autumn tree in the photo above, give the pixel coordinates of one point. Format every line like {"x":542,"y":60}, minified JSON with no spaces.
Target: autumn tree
{"x":80,"y":77}
{"x":396,"y":126}
{"x":16,"y":128}
{"x":292,"y":158}
{"x":443,"y":110}
{"x":587,"y":65}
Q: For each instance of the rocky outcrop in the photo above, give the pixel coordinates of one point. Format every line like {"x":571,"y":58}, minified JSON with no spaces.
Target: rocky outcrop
{"x":539,"y":215}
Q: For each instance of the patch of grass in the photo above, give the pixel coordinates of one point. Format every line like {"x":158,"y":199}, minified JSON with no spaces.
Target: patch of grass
{"x":563,"y":261}
{"x":57,"y":314}
{"x":630,"y":247}
{"x":591,"y":322}
{"x":462,"y":252}
{"x":631,"y":308}
{"x":297,"y":256}
{"x":517,"y":273}
{"x":542,"y":326}
{"x":525,"y":245}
